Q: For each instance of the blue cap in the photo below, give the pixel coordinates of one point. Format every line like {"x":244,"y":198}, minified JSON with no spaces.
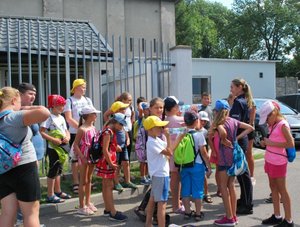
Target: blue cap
{"x":121,"y":118}
{"x":144,"y":105}
{"x":221,"y":104}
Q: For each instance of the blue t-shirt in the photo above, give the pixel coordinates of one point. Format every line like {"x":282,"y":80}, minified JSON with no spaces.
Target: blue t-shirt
{"x":121,"y":139}
{"x":38,"y":141}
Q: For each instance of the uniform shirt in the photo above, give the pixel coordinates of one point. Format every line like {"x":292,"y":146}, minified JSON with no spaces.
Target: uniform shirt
{"x":158,"y":164}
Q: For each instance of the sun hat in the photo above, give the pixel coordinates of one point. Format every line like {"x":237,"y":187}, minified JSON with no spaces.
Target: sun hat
{"x":266,"y":108}
{"x":121,"y":118}
{"x":88,"y":110}
{"x":56,"y":100}
{"x":154,"y":121}
{"x":116,"y":106}
{"x":221,"y":104}
{"x":203,"y":116}
{"x":190,"y":117}
{"x":172,"y":101}
{"x":76,"y":83}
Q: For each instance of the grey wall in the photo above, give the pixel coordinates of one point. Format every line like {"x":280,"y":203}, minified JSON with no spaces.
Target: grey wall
{"x":286,"y":85}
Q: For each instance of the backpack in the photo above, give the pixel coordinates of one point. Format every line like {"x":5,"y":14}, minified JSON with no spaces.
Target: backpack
{"x":140,"y":144}
{"x":95,"y":151}
{"x":185,"y":154}
{"x":10,"y":152}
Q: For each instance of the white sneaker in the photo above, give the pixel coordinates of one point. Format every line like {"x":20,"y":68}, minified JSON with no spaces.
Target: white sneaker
{"x":85,"y":211}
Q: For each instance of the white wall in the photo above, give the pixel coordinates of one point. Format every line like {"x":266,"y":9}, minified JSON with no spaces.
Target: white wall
{"x":223,"y":71}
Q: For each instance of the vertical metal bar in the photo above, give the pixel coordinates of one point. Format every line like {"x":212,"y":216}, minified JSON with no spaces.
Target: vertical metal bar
{"x":29,"y":53}
{"x":133,"y":70}
{"x":140,"y":69}
{"x":163,"y":67}
{"x":48,"y":61}
{"x":67,"y":61}
{"x":126,"y":62}
{"x":106,"y":69}
{"x":8,"y":52}
{"x":19,"y":53}
{"x":113,"y":64}
{"x":169,"y":66}
{"x":120,"y":63}
{"x":40,"y":79}
{"x":146,"y":69}
{"x":92,"y":66}
{"x":151,"y":65}
{"x":76,"y":57}
{"x":157,"y":69}
{"x":100,"y":80}
{"x":83,"y":55}
{"x":57,"y":62}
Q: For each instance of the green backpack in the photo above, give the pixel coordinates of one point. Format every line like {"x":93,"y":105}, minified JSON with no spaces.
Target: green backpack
{"x":185,"y":153}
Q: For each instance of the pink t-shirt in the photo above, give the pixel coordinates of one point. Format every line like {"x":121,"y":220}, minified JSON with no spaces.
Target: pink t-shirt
{"x":277,"y":157}
{"x":86,"y":141}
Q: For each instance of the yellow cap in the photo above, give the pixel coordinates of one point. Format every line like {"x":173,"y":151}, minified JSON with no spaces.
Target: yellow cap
{"x":154,"y":121}
{"x":116,"y":106}
{"x":77,"y":83}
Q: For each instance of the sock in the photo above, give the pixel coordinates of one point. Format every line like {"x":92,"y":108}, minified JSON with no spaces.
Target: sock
{"x":278,"y":216}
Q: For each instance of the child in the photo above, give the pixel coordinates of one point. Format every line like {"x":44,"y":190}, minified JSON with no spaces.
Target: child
{"x":276,"y":161}
{"x":140,"y":145}
{"x":192,"y":178}
{"x":72,"y":109}
{"x":123,"y":141}
{"x":82,"y":144}
{"x":227,"y":127}
{"x":158,"y":152}
{"x":171,"y":110}
{"x":107,"y":166}
{"x":55,"y":131}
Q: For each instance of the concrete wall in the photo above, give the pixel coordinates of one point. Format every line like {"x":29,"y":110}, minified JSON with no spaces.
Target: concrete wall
{"x":286,"y":85}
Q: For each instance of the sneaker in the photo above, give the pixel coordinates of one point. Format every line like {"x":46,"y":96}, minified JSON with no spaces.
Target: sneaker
{"x":141,"y":214}
{"x":272,"y":220}
{"x":284,"y":223}
{"x":224,"y":222}
{"x":119,"y":188}
{"x":144,"y":181}
{"x":130,"y":185}
{"x":119,"y":216}
{"x":106,"y":213}
{"x":92,"y":207}
{"x":180,"y":210}
{"x":85,"y":211}
{"x":236,"y":220}
{"x":19,"y":223}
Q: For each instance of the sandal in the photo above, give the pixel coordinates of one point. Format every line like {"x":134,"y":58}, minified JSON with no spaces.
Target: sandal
{"x":62,"y":195}
{"x":219,"y":194}
{"x":93,"y":186}
{"x":54,"y":199}
{"x":188,"y":216}
{"x":207,"y":198}
{"x":75,"y":188}
{"x":199,"y":217}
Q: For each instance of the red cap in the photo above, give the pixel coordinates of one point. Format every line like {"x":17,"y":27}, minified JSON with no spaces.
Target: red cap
{"x":56,"y":100}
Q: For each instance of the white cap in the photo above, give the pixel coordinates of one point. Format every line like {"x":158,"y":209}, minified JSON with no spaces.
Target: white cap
{"x":266,"y":108}
{"x":203,"y":116}
{"x":88,"y":110}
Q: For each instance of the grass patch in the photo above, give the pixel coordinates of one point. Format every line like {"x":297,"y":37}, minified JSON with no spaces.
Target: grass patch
{"x":258,"y":156}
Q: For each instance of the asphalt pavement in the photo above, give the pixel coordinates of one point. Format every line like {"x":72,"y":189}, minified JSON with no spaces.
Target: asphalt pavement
{"x":65,"y":214}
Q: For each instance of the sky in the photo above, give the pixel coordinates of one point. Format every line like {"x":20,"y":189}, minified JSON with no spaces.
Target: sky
{"x":226,"y":3}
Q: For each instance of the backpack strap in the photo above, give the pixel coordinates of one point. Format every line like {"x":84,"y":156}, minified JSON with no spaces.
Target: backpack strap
{"x":196,"y":152}
{"x":4,"y":113}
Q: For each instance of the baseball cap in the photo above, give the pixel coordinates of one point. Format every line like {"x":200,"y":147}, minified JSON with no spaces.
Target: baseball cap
{"x":171,"y":101}
{"x":23,"y":87}
{"x":203,"y":116}
{"x":190,"y":117}
{"x":266,"y":108}
{"x":76,"y":83}
{"x":221,"y":104}
{"x":144,"y":105}
{"x":121,"y":118}
{"x":56,"y":100}
{"x":154,"y":121}
{"x":88,"y":110}
{"x":118,"y":105}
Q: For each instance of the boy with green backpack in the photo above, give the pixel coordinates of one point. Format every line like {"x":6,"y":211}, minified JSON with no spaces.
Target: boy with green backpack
{"x":191,"y":157}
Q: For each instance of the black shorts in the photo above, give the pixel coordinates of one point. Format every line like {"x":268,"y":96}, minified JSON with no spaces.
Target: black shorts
{"x":55,"y":167}
{"x":251,"y":135}
{"x":122,"y":156}
{"x":22,"y":180}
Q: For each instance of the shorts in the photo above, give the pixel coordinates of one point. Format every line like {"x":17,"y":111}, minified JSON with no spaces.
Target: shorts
{"x":72,"y":154}
{"x":223,"y":168}
{"x":192,"y":181}
{"x":122,"y":156}
{"x":160,"y":188}
{"x":251,"y":135}
{"x":55,"y":167}
{"x":275,"y":171}
{"x":22,"y":180}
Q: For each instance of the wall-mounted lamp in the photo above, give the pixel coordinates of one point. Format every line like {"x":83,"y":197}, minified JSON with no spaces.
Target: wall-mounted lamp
{"x":261,"y":75}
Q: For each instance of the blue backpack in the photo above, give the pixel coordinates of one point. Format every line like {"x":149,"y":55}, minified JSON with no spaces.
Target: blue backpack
{"x":10,"y":152}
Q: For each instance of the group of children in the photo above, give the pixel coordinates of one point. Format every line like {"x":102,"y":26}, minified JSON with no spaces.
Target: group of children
{"x":152,"y":134}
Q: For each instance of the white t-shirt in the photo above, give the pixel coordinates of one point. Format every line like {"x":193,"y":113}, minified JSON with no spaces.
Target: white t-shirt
{"x":199,"y":142}
{"x":55,"y":122}
{"x":158,"y":164}
{"x":75,"y":105}
{"x":128,"y":114}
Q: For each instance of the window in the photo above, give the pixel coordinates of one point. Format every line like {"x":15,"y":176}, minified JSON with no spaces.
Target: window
{"x":200,"y":84}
